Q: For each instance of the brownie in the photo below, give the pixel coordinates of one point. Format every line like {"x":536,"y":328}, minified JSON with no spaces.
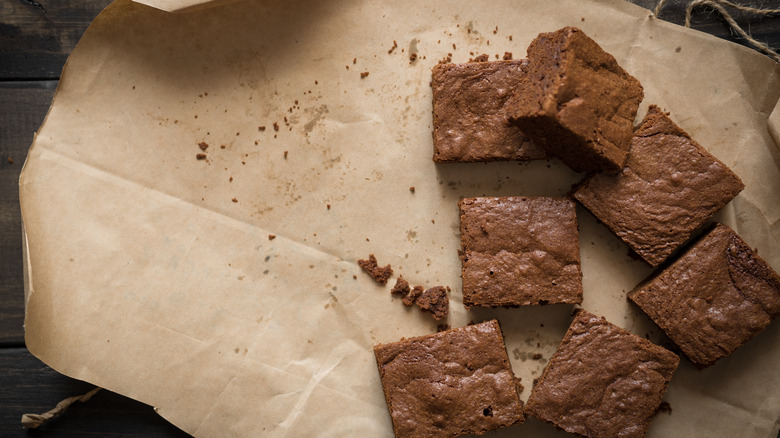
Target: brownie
{"x":714,"y":298}
{"x":412,"y":295}
{"x":519,"y":251}
{"x":469,"y":123}
{"x":576,"y":101}
{"x":668,"y":189}
{"x":434,"y":301}
{"x":380,"y":274}
{"x":451,"y":383}
{"x":401,"y":287}
{"x":602,"y":381}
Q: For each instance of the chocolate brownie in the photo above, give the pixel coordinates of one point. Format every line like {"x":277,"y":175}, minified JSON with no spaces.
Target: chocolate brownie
{"x":519,"y":251}
{"x":602,"y":381}
{"x":469,"y":123}
{"x":434,"y":301}
{"x":714,"y":298}
{"x":576,"y":101}
{"x":451,"y":383}
{"x":413,"y":294}
{"x":401,"y":287}
{"x":380,"y":274}
{"x":668,"y":189}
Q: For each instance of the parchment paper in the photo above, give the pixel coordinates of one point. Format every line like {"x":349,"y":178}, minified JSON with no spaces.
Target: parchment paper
{"x":151,"y":273}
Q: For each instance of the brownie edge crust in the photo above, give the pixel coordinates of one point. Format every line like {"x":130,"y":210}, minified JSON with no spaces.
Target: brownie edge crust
{"x":451,"y":383}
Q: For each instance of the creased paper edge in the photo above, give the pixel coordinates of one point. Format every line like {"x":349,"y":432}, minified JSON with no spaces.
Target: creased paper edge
{"x":773,"y":125}
{"x":178,"y":6}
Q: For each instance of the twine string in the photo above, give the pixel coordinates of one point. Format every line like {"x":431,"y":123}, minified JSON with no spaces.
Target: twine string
{"x":32,"y":421}
{"x":720,"y":6}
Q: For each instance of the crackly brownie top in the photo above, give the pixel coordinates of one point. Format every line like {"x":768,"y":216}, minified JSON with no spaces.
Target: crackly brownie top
{"x":669,"y":188}
{"x":469,"y":123}
{"x":450,"y":383}
{"x":602,"y":380}
{"x":573,"y":80}
{"x":520,"y":251}
{"x":715,"y":297}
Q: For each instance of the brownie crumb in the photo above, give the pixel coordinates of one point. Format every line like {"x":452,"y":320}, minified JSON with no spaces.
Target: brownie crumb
{"x":413,"y":294}
{"x":442,"y":327}
{"x":507,"y":56}
{"x":276,"y":126}
{"x":395,"y":45}
{"x":271,"y":236}
{"x":411,"y":189}
{"x":364,"y":74}
{"x":380,"y":274}
{"x":328,"y":206}
{"x":434,"y":301}
{"x":401,"y":287}
{"x":200,"y":156}
{"x":413,"y":57}
{"x":222,"y":146}
{"x":354,"y":277}
{"x":354,"y":60}
{"x":536,"y":356}
{"x":10,"y":160}
{"x":261,"y":128}
{"x":234,"y":199}
{"x":481,"y":58}
{"x":203,"y":145}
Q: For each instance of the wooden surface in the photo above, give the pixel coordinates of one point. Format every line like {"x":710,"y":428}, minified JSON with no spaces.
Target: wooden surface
{"x":35,"y":40}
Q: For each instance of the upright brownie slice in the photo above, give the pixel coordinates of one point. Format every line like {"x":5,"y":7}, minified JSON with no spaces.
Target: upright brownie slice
{"x":519,"y":251}
{"x":451,"y":383}
{"x":469,"y":121}
{"x":668,"y":189}
{"x":714,"y":298}
{"x":602,"y":381}
{"x":576,"y":101}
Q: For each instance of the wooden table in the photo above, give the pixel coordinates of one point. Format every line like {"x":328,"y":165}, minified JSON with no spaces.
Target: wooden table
{"x":35,"y":40}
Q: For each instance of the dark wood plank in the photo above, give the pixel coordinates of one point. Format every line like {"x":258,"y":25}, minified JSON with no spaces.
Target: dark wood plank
{"x":705,"y":19}
{"x":30,"y":387}
{"x":37,"y":36}
{"x":24,"y":105}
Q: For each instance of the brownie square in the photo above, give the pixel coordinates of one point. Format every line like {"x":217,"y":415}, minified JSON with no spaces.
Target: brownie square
{"x":519,"y":251}
{"x":576,"y":101}
{"x":451,"y":383}
{"x":602,"y":381}
{"x":469,"y":121}
{"x":714,"y":298}
{"x":668,"y":189}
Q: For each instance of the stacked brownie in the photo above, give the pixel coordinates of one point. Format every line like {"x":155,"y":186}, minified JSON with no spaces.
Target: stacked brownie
{"x":653,"y":186}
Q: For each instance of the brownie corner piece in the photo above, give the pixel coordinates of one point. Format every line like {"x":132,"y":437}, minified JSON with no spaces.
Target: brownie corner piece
{"x":602,"y":380}
{"x":450,"y":383}
{"x":715,"y":297}
{"x":577,"y":102}
{"x":668,"y":189}
{"x":469,"y":120}
{"x":519,"y":251}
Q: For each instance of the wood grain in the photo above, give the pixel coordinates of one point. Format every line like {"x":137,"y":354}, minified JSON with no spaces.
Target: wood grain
{"x":36,"y":37}
{"x":24,"y":105}
{"x":30,"y":387}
